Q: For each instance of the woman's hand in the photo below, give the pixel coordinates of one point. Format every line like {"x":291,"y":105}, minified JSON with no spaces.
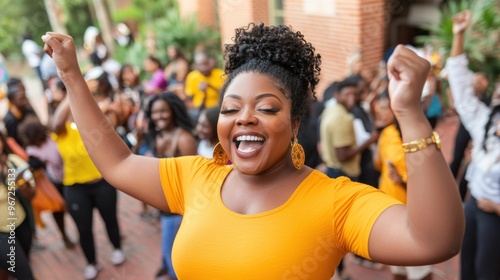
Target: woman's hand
{"x":407,"y":74}
{"x":461,"y":21}
{"x":62,"y":49}
{"x":488,"y":206}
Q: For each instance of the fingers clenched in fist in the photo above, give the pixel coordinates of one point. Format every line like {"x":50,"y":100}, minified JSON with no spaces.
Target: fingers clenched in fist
{"x":407,"y":74}
{"x":62,"y":49}
{"x":461,"y":21}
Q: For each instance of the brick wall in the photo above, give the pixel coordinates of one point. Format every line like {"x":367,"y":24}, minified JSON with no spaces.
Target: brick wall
{"x":205,"y":10}
{"x":336,"y":28}
{"x":188,"y":7}
{"x":260,"y":9}
{"x":373,"y":21}
{"x":338,"y":32}
{"x":207,"y":14}
{"x":238,"y":13}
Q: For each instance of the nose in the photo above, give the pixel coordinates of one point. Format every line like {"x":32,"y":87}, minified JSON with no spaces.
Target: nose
{"x":246,"y":117}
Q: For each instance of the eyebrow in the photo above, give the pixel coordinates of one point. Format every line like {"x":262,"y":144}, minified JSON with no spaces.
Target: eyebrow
{"x":260,"y":96}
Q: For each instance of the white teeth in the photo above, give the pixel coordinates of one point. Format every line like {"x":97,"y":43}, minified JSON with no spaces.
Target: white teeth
{"x":249,"y":138}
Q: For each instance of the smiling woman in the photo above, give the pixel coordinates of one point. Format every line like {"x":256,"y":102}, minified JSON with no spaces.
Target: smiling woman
{"x":265,"y":216}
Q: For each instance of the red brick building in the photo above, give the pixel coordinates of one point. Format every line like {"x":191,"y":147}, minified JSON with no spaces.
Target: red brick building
{"x":337,"y":28}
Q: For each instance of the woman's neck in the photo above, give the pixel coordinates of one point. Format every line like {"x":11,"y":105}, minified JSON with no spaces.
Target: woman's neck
{"x":168,"y":129}
{"x":276,"y":175}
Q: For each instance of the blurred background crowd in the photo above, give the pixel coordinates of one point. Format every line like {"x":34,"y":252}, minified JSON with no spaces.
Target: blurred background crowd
{"x":156,"y":74}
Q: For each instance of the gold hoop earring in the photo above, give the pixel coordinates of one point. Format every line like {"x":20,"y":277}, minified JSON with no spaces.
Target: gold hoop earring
{"x":219,"y":155}
{"x":298,"y":155}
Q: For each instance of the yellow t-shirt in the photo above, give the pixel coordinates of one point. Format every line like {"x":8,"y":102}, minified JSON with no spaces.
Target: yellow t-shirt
{"x":305,"y":238}
{"x":78,"y":167}
{"x":215,"y":80}
{"x":390,"y":148}
{"x":18,"y":214}
{"x":337,"y":131}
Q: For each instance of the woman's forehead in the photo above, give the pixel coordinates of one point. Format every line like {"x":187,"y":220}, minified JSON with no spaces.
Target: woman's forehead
{"x":254,"y":79}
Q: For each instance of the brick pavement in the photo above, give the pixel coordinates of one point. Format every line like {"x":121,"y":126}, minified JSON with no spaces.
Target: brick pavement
{"x":140,"y":243}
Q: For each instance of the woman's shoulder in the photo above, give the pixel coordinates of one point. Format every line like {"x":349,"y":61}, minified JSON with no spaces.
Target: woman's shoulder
{"x":341,"y":186}
{"x":182,"y":62}
{"x":195,"y":167}
{"x":194,"y":162}
{"x":185,"y":133}
{"x":318,"y":179}
{"x":184,"y":137}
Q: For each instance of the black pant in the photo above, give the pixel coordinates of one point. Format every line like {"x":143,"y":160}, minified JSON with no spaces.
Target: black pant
{"x":481,"y":245}
{"x":462,"y":139}
{"x":80,"y":201}
{"x":23,"y":238}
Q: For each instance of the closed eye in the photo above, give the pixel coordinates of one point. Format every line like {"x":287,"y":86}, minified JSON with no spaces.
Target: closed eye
{"x":269,"y":110}
{"x":228,"y":111}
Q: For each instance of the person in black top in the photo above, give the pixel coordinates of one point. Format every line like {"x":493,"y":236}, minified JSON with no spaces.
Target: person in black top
{"x":19,"y":108}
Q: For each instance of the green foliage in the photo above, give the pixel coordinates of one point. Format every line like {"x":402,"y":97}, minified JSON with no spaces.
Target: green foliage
{"x":135,"y":54}
{"x":144,"y":13}
{"x":154,"y":9}
{"x":171,"y":29}
{"x":185,"y":33}
{"x":18,"y":17}
{"x":77,"y":19}
{"x":131,"y":13}
{"x":482,"y":40}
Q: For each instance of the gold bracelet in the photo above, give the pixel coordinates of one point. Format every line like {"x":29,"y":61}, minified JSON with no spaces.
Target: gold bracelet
{"x":417,"y":145}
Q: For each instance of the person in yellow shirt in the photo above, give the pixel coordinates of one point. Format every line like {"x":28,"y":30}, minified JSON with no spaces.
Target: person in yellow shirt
{"x":84,"y":186}
{"x":266,"y":215}
{"x":202,"y":85}
{"x":389,"y":158}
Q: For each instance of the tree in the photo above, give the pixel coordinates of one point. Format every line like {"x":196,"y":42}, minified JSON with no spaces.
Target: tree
{"x":482,"y":40}
{"x":171,"y":29}
{"x":18,"y":17}
{"x":77,"y":18}
{"x":56,"y":16}
{"x":105,"y":24}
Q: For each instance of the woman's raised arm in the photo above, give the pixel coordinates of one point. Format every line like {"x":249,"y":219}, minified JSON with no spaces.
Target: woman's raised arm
{"x":429,"y":229}
{"x":132,"y":174}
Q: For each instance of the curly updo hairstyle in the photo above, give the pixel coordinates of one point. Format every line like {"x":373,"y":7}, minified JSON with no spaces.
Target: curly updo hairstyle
{"x":280,"y":53}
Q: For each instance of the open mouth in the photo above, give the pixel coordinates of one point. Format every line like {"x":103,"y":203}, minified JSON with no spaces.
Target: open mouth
{"x":248,"y":143}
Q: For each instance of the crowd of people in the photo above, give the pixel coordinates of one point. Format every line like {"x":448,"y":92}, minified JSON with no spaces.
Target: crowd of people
{"x":277,"y":168}
{"x":155,"y":117}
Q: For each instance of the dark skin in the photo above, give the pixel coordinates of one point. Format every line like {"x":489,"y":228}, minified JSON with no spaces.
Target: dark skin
{"x":20,"y":100}
{"x":428,"y":229}
{"x":346,"y":97}
{"x":205,"y":130}
{"x":162,"y":116}
{"x":249,"y":114}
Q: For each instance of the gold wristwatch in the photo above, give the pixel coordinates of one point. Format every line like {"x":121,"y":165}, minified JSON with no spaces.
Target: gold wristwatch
{"x":420,"y":144}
